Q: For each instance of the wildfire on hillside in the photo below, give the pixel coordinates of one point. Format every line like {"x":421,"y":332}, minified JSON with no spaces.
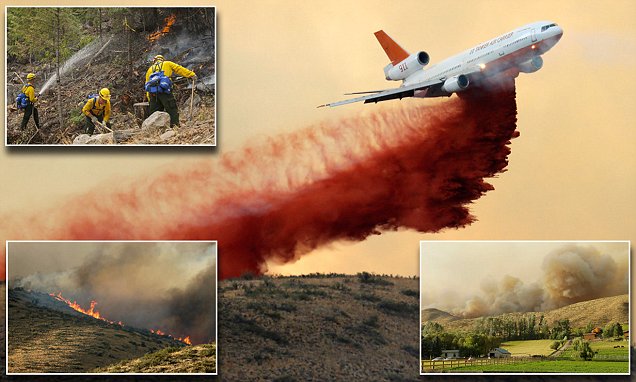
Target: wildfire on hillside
{"x":90,"y":311}
{"x":95,"y":314}
{"x":170,"y":20}
{"x":185,"y":340}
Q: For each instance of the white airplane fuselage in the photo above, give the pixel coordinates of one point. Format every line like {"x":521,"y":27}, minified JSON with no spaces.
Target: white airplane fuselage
{"x":517,"y":51}
{"x":509,"y":50}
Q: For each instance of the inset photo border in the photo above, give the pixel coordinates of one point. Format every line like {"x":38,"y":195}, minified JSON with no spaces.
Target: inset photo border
{"x":530,"y":307}
{"x":111,"y":308}
{"x":110,"y":76}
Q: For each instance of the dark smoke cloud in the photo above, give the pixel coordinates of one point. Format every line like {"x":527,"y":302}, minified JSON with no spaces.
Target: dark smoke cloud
{"x":166,"y":286}
{"x":571,"y":274}
{"x":416,"y":167}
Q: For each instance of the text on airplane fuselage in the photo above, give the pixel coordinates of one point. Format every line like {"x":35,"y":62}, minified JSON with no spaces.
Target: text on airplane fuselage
{"x":493,"y":42}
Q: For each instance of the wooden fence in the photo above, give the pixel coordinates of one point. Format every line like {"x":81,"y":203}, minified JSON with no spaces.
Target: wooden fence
{"x":428,"y":365}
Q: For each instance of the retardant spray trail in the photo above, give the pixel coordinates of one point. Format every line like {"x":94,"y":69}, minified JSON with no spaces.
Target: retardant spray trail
{"x":415,"y":167}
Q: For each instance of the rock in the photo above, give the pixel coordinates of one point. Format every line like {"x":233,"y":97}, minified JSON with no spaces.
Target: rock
{"x":197,"y":101}
{"x":99,"y":139}
{"x":158,"y":121}
{"x":167,"y":135}
{"x":81,"y":139}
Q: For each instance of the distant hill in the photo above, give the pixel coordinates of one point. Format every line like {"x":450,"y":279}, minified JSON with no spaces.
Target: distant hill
{"x":599,"y":311}
{"x":43,"y":339}
{"x":432,"y":314}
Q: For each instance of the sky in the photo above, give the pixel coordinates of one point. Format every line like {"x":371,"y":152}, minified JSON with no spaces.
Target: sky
{"x":28,"y":258}
{"x":571,"y":172}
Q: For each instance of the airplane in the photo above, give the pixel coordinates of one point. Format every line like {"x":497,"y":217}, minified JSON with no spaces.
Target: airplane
{"x":520,"y":49}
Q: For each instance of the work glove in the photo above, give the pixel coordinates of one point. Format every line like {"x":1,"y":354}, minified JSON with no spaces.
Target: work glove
{"x":94,"y":119}
{"x":194,"y":77}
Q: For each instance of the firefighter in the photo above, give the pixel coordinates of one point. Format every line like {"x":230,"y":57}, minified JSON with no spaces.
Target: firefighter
{"x":159,"y":92}
{"x":97,"y":109}
{"x":29,"y":91}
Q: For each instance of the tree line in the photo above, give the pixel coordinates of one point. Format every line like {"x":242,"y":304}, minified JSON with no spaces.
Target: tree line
{"x":491,"y":332}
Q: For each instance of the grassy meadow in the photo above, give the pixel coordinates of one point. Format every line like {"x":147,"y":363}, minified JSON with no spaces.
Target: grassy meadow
{"x":552,"y":367}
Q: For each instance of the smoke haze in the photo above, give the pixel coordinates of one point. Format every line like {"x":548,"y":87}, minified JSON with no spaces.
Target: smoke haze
{"x":166,"y":286}
{"x":570,"y":274}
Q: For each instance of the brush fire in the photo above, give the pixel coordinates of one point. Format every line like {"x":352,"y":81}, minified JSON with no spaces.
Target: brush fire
{"x":170,"y":20}
{"x":95,"y":314}
{"x":163,"y":289}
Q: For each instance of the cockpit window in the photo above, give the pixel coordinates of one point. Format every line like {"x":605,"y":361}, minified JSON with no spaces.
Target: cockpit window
{"x":546,"y":27}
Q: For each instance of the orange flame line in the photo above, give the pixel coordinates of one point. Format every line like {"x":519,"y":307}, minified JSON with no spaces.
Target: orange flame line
{"x":170,"y":20}
{"x":89,"y":312}
{"x":95,"y":314}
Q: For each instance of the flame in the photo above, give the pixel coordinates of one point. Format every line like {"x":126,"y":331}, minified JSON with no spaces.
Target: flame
{"x":185,"y":340}
{"x":90,"y":311}
{"x":95,"y":314}
{"x":170,"y":20}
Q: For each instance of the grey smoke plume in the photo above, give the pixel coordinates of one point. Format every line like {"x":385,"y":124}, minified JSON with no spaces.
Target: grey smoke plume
{"x":165,"y":286}
{"x":571,"y":274}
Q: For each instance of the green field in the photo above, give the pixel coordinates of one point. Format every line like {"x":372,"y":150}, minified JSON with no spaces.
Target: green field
{"x":553,"y":367}
{"x":604,"y":348}
{"x":528,"y":348}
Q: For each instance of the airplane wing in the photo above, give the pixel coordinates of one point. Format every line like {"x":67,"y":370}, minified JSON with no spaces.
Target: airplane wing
{"x":385,"y":95}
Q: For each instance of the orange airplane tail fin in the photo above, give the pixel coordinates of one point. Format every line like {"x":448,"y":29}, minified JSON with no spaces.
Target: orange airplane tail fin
{"x":395,"y":52}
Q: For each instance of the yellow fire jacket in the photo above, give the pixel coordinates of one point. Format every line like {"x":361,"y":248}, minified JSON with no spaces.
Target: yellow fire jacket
{"x":94,"y":107}
{"x":29,"y":91}
{"x":168,"y":68}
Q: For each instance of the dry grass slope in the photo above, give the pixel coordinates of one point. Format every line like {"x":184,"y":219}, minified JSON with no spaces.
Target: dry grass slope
{"x":43,"y":340}
{"x":321,"y":327}
{"x":191,"y":359}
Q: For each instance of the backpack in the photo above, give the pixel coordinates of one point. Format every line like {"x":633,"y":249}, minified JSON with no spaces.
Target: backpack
{"x":22,"y":101}
{"x":94,"y":97}
{"x":158,"y":82}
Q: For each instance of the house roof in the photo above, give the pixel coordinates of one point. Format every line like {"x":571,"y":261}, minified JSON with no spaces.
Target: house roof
{"x":500,"y":350}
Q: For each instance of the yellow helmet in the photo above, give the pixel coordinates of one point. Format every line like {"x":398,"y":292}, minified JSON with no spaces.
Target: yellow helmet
{"x":158,"y":58}
{"x":105,"y":93}
{"x":30,"y":76}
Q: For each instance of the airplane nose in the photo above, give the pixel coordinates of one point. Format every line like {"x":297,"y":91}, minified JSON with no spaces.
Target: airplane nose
{"x":559,"y":32}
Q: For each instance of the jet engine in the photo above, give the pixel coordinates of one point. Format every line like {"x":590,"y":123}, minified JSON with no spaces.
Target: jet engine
{"x":406,"y":67}
{"x":456,"y":84}
{"x":531,"y":65}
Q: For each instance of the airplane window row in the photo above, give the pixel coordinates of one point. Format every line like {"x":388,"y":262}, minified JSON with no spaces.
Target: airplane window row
{"x":546,"y":27}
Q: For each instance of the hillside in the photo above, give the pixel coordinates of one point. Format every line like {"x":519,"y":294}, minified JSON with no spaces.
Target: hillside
{"x":43,"y":339}
{"x":436,"y":315}
{"x":189,"y":359}
{"x":318,"y":328}
{"x":599,"y":311}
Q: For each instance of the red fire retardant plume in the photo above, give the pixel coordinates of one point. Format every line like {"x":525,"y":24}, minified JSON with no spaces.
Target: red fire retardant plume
{"x":416,"y":167}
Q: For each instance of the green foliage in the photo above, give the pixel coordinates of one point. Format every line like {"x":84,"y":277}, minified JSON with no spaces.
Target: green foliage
{"x":32,"y":33}
{"x":561,"y":329}
{"x":555,"y":345}
{"x":77,"y":117}
{"x":434,"y":339}
{"x":613,"y":330}
{"x":585,"y":351}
